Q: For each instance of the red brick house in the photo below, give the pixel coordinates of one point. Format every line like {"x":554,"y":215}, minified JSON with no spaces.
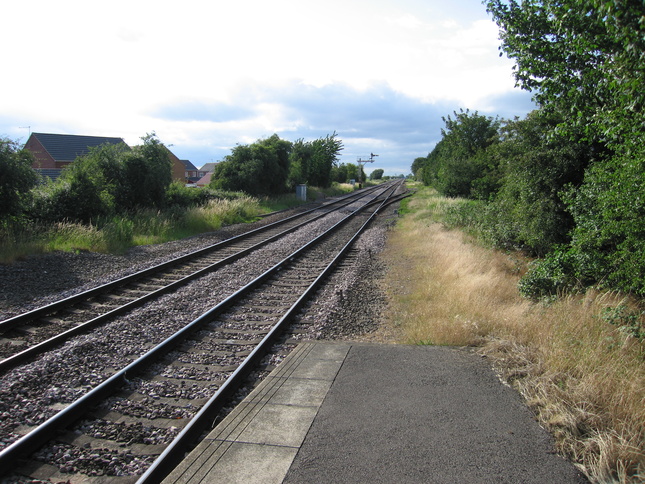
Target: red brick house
{"x":53,"y":152}
{"x":178,"y":167}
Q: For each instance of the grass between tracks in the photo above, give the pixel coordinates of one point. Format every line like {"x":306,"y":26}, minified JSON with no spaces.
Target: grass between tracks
{"x":584,"y":378}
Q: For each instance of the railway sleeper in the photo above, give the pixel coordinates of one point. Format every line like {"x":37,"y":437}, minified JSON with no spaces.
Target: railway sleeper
{"x":134,"y":396}
{"x":85,"y":441}
{"x":119,"y":418}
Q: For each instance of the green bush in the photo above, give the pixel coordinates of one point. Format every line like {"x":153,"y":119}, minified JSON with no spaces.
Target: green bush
{"x":16,"y":179}
{"x":629,"y":321}
{"x":77,"y":199}
{"x":550,"y":276}
{"x":609,"y":211}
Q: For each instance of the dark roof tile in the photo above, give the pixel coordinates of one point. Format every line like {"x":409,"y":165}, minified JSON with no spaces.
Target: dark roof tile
{"x":68,"y":147}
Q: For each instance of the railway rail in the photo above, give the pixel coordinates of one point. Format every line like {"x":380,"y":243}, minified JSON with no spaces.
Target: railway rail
{"x":29,"y":334}
{"x":186,"y":380}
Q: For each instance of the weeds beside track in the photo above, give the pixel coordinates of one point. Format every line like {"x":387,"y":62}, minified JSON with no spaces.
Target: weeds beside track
{"x":583,"y":377}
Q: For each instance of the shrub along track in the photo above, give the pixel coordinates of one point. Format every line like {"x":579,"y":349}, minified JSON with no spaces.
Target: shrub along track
{"x":157,"y":399}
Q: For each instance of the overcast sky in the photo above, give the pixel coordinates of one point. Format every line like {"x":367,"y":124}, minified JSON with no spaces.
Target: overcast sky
{"x":205,"y":75}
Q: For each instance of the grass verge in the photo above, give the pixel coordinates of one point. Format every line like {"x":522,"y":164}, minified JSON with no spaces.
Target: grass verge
{"x":120,"y":233}
{"x":583,"y":376}
{"x":147,"y":226}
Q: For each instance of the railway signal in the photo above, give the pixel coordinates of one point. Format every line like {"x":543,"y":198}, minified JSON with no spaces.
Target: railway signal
{"x":360,"y":167}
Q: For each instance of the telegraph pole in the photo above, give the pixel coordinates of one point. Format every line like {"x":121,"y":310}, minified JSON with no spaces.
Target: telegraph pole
{"x":360,"y":167}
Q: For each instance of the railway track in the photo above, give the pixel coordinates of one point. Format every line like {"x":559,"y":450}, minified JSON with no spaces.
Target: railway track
{"x":28,"y":335}
{"x":143,"y":417}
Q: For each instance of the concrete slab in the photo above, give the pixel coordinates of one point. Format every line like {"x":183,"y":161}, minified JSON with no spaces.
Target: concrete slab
{"x":284,"y":425}
{"x":356,"y":413}
{"x":258,"y":440}
{"x":228,"y":462}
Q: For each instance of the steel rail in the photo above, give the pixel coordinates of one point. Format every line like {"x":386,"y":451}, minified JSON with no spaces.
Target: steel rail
{"x":57,"y":305}
{"x":34,"y":350}
{"x":174,"y":453}
{"x":38,"y":436}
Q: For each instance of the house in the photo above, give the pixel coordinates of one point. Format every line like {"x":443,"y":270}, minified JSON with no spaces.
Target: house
{"x":205,"y":173}
{"x":53,"y":152}
{"x":208,"y":168}
{"x":191,"y":173}
{"x":178,"y":167}
{"x":204,"y":181}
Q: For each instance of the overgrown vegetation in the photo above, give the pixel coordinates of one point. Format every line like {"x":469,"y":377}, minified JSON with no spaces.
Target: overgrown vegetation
{"x":579,"y":360}
{"x":274,"y":166}
{"x":116,"y":197}
{"x":566,"y":183}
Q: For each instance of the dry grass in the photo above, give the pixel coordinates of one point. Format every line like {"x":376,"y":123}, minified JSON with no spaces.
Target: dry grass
{"x":584,"y":378}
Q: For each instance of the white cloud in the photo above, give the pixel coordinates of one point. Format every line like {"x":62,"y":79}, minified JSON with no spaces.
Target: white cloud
{"x":115,"y":69}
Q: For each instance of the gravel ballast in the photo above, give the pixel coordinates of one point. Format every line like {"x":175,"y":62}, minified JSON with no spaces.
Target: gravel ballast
{"x":347,"y":306}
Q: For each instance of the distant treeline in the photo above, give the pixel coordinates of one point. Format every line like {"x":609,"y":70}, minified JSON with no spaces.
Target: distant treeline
{"x":567,"y":182}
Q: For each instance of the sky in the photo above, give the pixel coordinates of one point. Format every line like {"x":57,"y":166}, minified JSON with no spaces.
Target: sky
{"x":207,"y":75}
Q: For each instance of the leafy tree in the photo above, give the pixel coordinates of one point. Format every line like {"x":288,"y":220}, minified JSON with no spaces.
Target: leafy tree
{"x":352,"y":171}
{"x":16,"y":179}
{"x":529,"y":210}
{"x":326,"y":152}
{"x":261,"y":168}
{"x":583,"y":59}
{"x":147,"y":174}
{"x":377,"y":174}
{"x":458,"y":165}
{"x":417,"y":167}
{"x":312,"y":162}
{"x":339,"y":173}
{"x":301,"y":153}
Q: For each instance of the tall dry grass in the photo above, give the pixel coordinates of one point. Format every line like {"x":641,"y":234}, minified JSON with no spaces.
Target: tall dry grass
{"x":584,"y":377}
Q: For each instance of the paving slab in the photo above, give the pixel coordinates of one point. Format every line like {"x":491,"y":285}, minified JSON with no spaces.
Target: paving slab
{"x":356,"y":413}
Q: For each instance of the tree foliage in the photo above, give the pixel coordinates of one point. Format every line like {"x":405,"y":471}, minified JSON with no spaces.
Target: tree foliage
{"x":16,"y":179}
{"x":260,"y":168}
{"x":574,"y":172}
{"x":312,"y":162}
{"x":583,"y":59}
{"x":459,"y":166}
{"x":529,"y":210}
{"x":109,"y":180}
{"x":377,"y":174}
{"x":273,"y":166}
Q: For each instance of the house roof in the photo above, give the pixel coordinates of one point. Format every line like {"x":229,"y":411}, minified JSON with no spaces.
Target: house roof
{"x":189,"y":165}
{"x":208,"y":167}
{"x":205,"y":180}
{"x":52,"y":173}
{"x":68,"y":147}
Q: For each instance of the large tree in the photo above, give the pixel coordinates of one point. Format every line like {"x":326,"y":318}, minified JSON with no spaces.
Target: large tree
{"x":312,"y":161}
{"x":582,"y":58}
{"x":458,"y":166}
{"x":377,"y":174}
{"x":16,"y":178}
{"x":260,"y":168}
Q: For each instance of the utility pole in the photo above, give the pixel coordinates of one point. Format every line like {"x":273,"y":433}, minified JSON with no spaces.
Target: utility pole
{"x":360,"y":167}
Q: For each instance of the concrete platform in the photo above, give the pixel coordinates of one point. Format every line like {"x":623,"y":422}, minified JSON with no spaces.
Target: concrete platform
{"x":356,"y":413}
